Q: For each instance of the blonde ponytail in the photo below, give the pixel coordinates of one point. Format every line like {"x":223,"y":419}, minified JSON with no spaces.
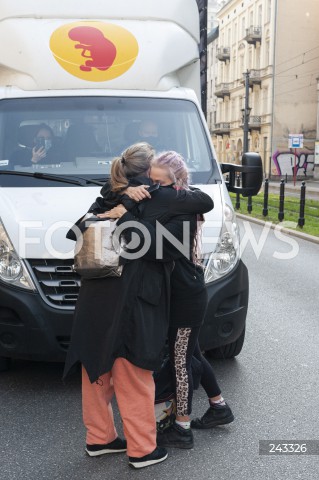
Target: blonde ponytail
{"x":134,"y":161}
{"x":118,"y":178}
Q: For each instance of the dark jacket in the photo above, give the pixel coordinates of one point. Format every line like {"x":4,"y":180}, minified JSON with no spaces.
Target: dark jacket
{"x":128,"y":316}
{"x":188,"y":289}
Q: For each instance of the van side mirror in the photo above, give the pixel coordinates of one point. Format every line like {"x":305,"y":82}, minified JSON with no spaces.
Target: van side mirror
{"x":251,"y":171}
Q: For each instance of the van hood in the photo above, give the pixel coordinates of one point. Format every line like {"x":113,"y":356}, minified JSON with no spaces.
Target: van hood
{"x":37,"y":219}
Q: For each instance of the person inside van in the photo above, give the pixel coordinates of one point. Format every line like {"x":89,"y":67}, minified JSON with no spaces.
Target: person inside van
{"x":41,"y":149}
{"x":149,"y":132}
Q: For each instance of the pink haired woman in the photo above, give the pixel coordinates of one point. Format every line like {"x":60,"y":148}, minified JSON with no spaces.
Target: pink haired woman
{"x":187,"y":309}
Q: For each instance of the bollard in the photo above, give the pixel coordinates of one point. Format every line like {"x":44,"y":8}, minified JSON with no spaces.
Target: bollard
{"x":301,"y":219}
{"x":237,"y":205}
{"x":281,"y":213}
{"x":249,"y":204}
{"x":265,"y":209}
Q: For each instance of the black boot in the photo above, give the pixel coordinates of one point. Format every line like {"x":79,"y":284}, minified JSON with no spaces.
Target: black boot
{"x":214,"y":416}
{"x":176,"y":436}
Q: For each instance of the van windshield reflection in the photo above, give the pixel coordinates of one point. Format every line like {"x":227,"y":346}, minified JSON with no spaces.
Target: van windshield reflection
{"x":81,"y":136}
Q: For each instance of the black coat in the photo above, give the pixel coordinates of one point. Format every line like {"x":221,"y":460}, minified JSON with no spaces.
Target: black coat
{"x":128,"y":316}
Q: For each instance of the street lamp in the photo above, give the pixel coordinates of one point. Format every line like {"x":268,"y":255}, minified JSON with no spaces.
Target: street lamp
{"x":246,"y":111}
{"x":245,"y":121}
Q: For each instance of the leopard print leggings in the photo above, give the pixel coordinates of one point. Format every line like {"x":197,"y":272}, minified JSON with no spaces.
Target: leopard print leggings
{"x":182,"y":343}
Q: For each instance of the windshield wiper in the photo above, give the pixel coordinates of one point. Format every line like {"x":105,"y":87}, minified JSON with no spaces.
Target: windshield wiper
{"x":50,"y":176}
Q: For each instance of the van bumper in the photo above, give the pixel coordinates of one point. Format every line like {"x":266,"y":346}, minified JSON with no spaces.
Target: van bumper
{"x":30,"y":329}
{"x":227,"y":309}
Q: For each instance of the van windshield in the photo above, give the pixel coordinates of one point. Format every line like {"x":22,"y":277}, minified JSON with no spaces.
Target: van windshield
{"x":80,"y":136}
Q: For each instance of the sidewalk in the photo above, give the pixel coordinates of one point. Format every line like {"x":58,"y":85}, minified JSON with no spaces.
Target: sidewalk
{"x":312,"y":187}
{"x":288,"y":231}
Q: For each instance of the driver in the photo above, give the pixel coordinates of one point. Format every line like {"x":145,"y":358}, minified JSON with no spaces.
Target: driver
{"x":42,"y":151}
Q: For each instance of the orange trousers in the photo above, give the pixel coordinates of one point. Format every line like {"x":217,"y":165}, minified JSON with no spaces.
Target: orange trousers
{"x":135,"y":394}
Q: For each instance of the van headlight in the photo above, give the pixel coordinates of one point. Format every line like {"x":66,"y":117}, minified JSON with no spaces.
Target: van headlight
{"x":12,"y":268}
{"x":227,"y":252}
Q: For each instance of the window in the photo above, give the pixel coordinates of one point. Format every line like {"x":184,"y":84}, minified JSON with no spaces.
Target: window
{"x":250,"y":58}
{"x":251,"y":18}
{"x":257,"y":57}
{"x":268,"y":10}
{"x":268,"y":61}
{"x":243,"y":27}
{"x":233,"y":109}
{"x":234,"y":75}
{"x":265,"y":100}
{"x":88,"y":132}
{"x":260,"y":15}
{"x":256,"y":101}
{"x":241,"y":64}
{"x":235,"y":33}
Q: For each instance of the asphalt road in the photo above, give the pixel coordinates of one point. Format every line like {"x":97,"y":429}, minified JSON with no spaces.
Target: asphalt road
{"x":272,"y":387}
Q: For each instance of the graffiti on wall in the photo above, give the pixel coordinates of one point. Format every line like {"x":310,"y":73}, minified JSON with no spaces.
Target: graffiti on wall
{"x":284,"y":162}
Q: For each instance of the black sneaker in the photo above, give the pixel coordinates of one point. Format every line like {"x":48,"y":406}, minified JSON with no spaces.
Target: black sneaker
{"x":157,"y":456}
{"x":214,"y":416}
{"x":118,"y":445}
{"x":176,"y":436}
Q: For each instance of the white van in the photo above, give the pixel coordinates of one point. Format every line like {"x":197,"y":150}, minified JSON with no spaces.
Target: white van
{"x":92,"y":73}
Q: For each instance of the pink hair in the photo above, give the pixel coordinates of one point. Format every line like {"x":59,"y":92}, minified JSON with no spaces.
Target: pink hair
{"x":176,"y":168}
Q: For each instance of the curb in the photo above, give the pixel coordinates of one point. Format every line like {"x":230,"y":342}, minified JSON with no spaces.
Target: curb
{"x":294,"y":233}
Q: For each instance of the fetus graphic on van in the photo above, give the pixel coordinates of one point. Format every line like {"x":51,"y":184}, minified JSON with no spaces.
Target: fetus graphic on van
{"x":98,"y":50}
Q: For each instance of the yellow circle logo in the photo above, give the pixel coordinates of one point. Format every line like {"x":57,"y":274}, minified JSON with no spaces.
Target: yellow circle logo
{"x":94,"y":51}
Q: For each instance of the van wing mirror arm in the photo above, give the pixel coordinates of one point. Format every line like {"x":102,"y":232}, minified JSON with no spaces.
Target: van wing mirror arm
{"x":251,"y":174}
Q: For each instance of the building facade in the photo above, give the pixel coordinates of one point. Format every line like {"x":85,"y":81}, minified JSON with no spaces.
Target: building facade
{"x":276,"y":47}
{"x":213,"y":6}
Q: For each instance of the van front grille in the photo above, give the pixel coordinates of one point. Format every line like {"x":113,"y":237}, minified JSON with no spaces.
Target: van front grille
{"x":57,"y":282}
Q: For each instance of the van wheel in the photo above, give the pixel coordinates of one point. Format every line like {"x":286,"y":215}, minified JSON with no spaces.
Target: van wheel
{"x":228,"y":351}
{"x":4,"y":364}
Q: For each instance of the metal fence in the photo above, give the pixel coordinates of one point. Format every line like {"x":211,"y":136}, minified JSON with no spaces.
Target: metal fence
{"x":281,"y":201}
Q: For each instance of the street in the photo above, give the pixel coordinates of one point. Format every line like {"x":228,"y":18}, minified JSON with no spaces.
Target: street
{"x":272,"y":387}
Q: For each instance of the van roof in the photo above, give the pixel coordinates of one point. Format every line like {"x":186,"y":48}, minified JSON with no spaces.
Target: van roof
{"x":153,"y":46}
{"x":181,"y":12}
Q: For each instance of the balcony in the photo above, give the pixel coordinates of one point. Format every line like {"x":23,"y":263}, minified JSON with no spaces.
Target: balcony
{"x":222,"y":128}
{"x":223,"y":54}
{"x":254,"y":77}
{"x":266,"y":119}
{"x":253,"y":35}
{"x":254,"y":122}
{"x":223,"y":90}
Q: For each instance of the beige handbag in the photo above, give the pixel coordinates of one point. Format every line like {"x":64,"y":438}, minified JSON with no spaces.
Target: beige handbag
{"x":95,"y":255}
